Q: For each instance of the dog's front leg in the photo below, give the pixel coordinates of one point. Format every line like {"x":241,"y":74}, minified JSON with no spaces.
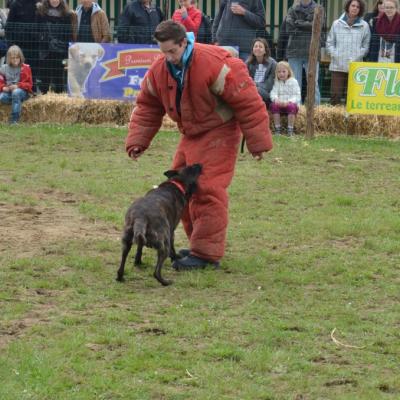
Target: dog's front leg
{"x":161,"y":257}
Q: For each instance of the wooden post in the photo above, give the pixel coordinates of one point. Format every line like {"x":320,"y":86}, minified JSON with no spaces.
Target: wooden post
{"x":312,"y":69}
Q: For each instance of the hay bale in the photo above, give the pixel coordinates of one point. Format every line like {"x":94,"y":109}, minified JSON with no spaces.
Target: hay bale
{"x":62,"y":109}
{"x":331,"y":120}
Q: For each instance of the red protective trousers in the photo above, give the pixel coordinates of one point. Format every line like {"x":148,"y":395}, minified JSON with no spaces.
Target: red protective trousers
{"x":205,"y":220}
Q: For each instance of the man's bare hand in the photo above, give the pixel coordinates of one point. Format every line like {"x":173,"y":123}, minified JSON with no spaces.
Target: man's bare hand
{"x":237,"y":9}
{"x":135,"y":153}
{"x":258,"y":156}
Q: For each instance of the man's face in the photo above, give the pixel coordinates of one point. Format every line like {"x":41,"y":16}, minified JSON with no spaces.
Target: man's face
{"x":172,"y":51}
{"x":87,"y":3}
{"x":354,"y":9}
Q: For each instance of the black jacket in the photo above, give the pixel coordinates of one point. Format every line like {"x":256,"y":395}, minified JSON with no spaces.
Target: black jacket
{"x":21,"y":25}
{"x":137,"y":24}
{"x":55,"y":33}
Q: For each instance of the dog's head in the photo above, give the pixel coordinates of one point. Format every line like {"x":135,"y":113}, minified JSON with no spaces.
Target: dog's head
{"x":86,"y":55}
{"x":186,"y":176}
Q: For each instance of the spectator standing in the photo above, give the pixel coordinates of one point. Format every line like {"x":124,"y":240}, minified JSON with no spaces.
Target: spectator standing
{"x":138,"y":22}
{"x":282,"y":42}
{"x":188,"y":15}
{"x":377,"y":9}
{"x":385,"y":40}
{"x":261,"y":68}
{"x":3,"y":41}
{"x":93,"y":24}
{"x":211,"y":96}
{"x":15,"y":82}
{"x":21,"y":30}
{"x":348,"y":40}
{"x":236,"y":24}
{"x":55,"y":27}
{"x":299,"y":21}
{"x":285,"y":97}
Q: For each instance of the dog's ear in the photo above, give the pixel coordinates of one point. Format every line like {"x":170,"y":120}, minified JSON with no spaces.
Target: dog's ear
{"x":171,"y":173}
{"x":74,"y":51}
{"x":100,"y":52}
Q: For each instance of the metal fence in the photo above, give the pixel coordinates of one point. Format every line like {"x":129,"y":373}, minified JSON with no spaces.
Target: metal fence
{"x":49,"y":64}
{"x":275,"y":10}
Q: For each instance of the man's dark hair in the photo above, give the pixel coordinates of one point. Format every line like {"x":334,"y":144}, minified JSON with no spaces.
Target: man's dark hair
{"x":170,"y":30}
{"x":361,"y":3}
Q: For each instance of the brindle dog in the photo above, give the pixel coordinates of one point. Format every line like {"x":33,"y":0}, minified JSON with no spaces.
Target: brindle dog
{"x":151,"y":220}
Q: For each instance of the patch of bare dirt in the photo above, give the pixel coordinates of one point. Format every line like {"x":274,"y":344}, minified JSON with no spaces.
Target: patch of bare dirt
{"x":27,"y":231}
{"x":16,"y":329}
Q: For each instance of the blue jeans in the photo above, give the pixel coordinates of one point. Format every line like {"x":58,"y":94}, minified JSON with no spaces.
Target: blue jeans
{"x":15,"y":99}
{"x":297,"y":65}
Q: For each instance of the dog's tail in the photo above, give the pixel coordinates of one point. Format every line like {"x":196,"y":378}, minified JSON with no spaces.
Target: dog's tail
{"x":139,"y":231}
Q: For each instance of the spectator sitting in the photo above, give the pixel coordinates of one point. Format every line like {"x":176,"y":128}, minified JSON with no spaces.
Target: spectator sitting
{"x":377,"y":9}
{"x":285,"y":97}
{"x":92,"y":23}
{"x":15,"y":82}
{"x":261,"y":68}
{"x":138,"y":22}
{"x":55,"y":22}
{"x":385,"y":41}
{"x":236,"y":24}
{"x":299,"y":22}
{"x":348,"y":40}
{"x":188,"y":15}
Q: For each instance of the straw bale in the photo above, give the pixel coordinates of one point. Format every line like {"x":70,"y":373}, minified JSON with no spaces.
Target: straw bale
{"x":62,"y":109}
{"x":333,"y":120}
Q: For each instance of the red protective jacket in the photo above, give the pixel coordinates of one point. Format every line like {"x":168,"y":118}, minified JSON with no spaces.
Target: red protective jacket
{"x":25,"y":81}
{"x":193,"y":20}
{"x":217,"y":89}
{"x":218,"y":95}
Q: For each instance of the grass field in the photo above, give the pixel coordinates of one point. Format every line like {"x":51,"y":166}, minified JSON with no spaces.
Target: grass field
{"x":313,"y":245}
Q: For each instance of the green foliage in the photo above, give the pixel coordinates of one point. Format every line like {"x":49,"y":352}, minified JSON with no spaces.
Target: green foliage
{"x":313,"y":245}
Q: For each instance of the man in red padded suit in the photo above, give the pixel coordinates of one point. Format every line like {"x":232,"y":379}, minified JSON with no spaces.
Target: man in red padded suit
{"x":212,"y":98}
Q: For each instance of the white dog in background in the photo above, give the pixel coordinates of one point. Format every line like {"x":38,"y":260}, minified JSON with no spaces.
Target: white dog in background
{"x":82,"y":59}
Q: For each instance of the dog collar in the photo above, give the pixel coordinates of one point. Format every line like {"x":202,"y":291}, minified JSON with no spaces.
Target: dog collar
{"x":179,"y":186}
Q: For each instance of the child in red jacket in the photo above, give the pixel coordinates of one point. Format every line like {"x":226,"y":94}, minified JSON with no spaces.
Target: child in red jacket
{"x":15,"y":82}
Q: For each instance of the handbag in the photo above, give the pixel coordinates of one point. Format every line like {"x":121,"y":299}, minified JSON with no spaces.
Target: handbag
{"x":57,"y":46}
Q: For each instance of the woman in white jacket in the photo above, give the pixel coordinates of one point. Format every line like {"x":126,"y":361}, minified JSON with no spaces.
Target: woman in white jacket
{"x":348,"y":40}
{"x":285,"y":97}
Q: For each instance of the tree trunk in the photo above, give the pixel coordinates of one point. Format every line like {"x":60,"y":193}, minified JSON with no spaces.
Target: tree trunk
{"x":312,"y":69}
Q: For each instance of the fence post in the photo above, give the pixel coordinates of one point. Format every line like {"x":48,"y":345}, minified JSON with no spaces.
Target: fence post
{"x":312,"y":68}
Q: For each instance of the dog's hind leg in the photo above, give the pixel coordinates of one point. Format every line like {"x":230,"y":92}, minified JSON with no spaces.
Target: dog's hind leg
{"x":172,"y":253}
{"x":126,"y":247}
{"x":162,"y":254}
{"x":139,"y":250}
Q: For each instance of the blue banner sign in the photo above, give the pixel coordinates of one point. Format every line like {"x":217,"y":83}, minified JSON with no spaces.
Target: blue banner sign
{"x":107,"y":70}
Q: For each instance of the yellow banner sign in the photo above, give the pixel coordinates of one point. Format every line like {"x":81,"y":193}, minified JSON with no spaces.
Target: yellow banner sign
{"x":374,"y":88}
